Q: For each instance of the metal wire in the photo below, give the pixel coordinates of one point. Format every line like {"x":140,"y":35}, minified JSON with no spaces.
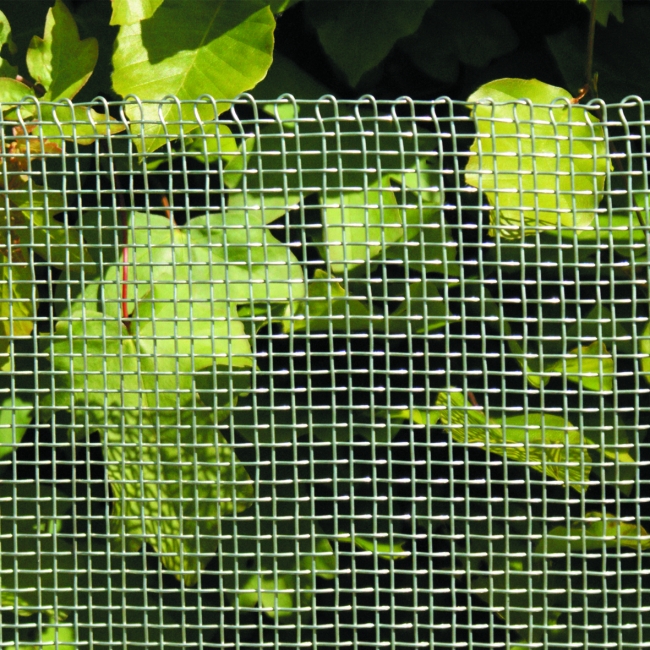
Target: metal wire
{"x":324,"y":374}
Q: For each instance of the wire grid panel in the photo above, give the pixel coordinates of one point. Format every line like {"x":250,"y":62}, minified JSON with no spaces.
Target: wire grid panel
{"x":293,"y":373}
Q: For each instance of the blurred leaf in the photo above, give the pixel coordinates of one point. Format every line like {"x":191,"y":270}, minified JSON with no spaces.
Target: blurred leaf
{"x":452,"y":33}
{"x":544,"y":442}
{"x":358,"y":35}
{"x":127,"y":12}
{"x":219,"y":49}
{"x":59,"y":61}
{"x":538,"y":152}
{"x":604,"y":8}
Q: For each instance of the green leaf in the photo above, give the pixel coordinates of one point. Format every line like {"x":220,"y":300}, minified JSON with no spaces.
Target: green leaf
{"x":165,"y":375}
{"x":215,"y":143}
{"x":6,"y":69}
{"x":544,"y":442}
{"x":540,"y":168}
{"x":384,"y":550}
{"x":358,"y":35}
{"x":358,"y":225}
{"x":12,"y":92}
{"x":593,"y":534}
{"x":474,"y":37}
{"x":422,"y":309}
{"x":5,"y":34}
{"x":590,"y":365}
{"x":36,"y":228}
{"x":219,"y":49}
{"x":60,"y":61}
{"x":82,"y":124}
{"x":328,"y":305}
{"x":178,"y":480}
{"x":604,"y":8}
{"x":127,"y":12}
{"x":285,"y":76}
{"x":43,"y":563}
{"x":644,"y":349}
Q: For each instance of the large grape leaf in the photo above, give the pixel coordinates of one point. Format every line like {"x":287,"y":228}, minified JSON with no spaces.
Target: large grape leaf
{"x":60,"y":61}
{"x":358,"y":35}
{"x":218,"y":48}
{"x":644,"y":348}
{"x":540,"y":167}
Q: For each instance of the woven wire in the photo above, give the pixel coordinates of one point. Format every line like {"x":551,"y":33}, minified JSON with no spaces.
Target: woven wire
{"x":335,"y":410}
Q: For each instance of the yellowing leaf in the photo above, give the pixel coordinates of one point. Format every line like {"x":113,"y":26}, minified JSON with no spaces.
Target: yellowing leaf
{"x":541,"y":168}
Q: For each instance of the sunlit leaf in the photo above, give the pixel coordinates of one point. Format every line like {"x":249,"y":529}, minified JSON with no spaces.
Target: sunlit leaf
{"x":590,"y":365}
{"x":82,"y":124}
{"x":473,"y":38}
{"x":127,"y":12}
{"x":60,"y":61}
{"x":219,"y":49}
{"x":540,"y":168}
{"x":544,"y":442}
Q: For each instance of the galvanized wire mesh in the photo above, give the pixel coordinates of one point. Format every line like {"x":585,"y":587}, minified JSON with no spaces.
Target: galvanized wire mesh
{"x":294,"y":378}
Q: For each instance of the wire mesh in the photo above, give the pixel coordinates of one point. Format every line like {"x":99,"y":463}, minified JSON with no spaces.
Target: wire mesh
{"x":315,"y":373}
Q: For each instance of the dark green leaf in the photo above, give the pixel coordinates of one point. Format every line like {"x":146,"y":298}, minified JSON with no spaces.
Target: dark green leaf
{"x":328,"y":305}
{"x":590,"y":365}
{"x":453,"y":32}
{"x":358,"y":35}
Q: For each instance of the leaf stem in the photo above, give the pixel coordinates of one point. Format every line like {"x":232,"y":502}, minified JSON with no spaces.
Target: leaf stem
{"x":589,"y":62}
